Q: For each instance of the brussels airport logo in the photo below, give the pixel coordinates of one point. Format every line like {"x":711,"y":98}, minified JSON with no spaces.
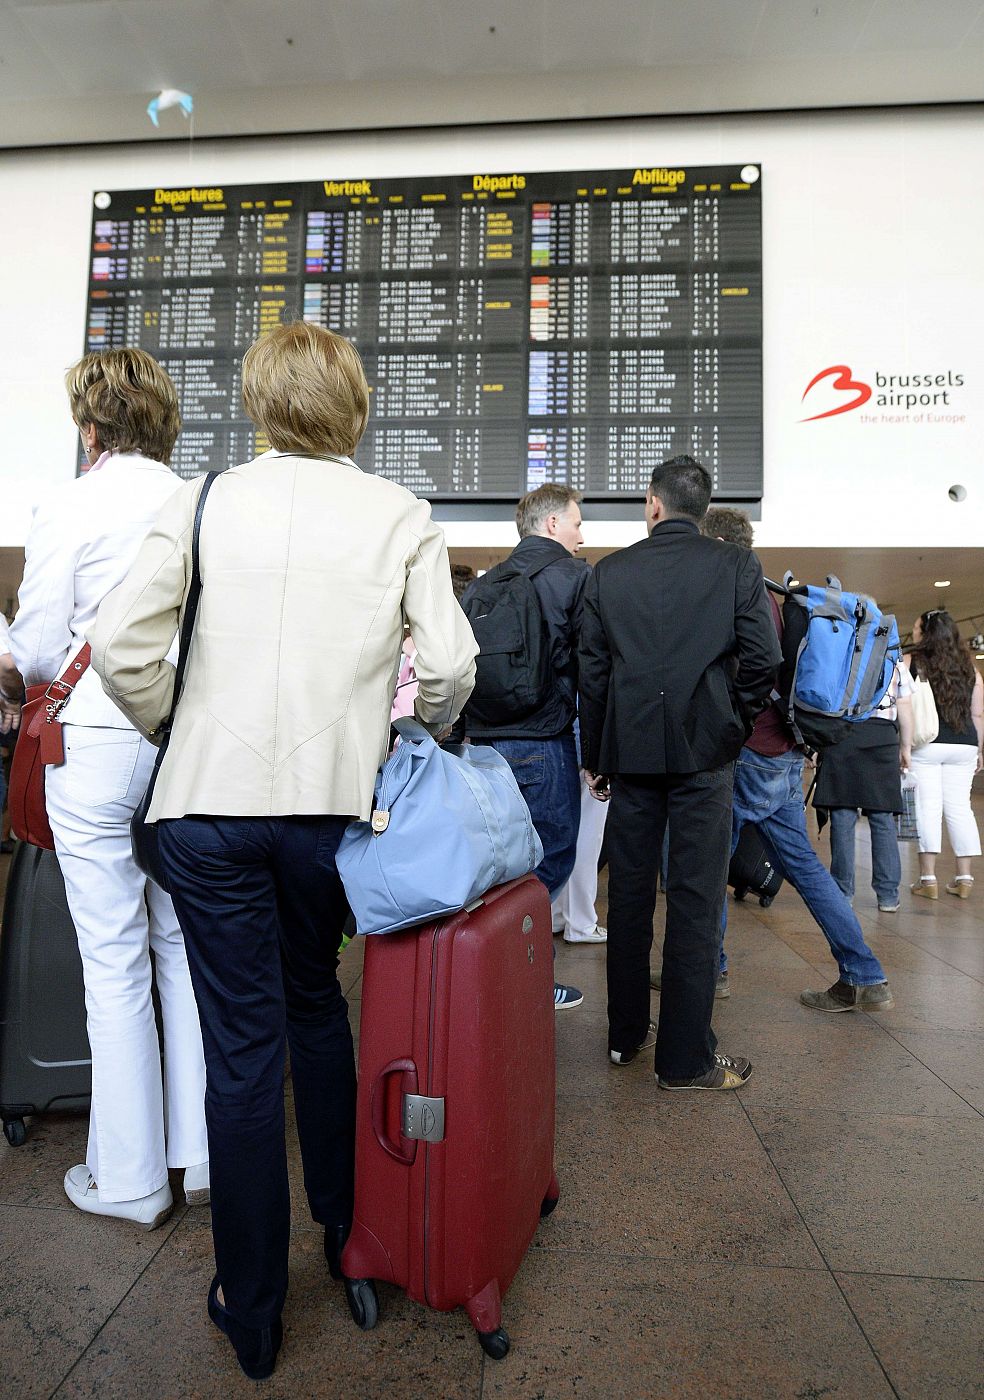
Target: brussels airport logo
{"x":900,"y":398}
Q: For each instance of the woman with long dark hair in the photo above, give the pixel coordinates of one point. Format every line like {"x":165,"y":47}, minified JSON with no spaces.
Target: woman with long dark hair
{"x":945,"y":768}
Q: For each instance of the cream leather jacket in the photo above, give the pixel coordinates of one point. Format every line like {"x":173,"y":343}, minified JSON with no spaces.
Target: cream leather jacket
{"x":309,"y":569}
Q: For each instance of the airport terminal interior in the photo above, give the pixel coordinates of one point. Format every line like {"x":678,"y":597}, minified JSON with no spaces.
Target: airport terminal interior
{"x":569,"y":242}
{"x":818,"y":1233}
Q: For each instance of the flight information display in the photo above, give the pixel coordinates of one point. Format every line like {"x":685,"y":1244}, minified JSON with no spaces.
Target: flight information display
{"x":576,"y":327}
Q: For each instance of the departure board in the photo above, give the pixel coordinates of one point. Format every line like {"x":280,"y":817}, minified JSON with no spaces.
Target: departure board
{"x":576,"y":327}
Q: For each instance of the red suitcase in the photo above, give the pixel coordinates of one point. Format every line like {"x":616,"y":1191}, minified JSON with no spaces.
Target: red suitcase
{"x":455,"y":1117}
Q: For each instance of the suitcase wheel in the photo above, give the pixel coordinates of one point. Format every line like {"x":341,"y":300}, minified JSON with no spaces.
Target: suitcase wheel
{"x":14,"y":1131}
{"x":766,"y":900}
{"x":363,"y":1302}
{"x":740,"y":892}
{"x":495,"y":1344}
{"x":548,"y":1206}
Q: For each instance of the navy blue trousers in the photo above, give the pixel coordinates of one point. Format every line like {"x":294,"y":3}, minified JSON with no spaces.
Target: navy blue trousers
{"x":262,"y":907}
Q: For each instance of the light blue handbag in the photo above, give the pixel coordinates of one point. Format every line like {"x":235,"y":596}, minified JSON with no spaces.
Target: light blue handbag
{"x":447,"y":825}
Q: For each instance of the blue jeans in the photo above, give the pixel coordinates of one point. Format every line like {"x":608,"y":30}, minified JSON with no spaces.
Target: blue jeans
{"x":547,"y":773}
{"x":886,"y":864}
{"x":262,"y":908}
{"x":769,"y":794}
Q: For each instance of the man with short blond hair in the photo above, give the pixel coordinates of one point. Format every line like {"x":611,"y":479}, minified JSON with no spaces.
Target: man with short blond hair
{"x":538,"y":507}
{"x":536,"y":736}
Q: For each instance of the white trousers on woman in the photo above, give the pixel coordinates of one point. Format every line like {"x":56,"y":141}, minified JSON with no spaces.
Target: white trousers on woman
{"x":120,"y":916}
{"x":943,"y":774}
{"x":574,"y":904}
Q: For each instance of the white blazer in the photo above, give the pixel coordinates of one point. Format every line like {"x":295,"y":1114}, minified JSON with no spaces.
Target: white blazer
{"x":84,"y":537}
{"x":310,"y":567}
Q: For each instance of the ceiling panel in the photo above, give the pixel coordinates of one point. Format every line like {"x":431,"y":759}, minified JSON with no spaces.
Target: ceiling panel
{"x":24,"y":69}
{"x":191,"y":41}
{"x":696,"y":31}
{"x":810,"y":26}
{"x":90,"y":46}
{"x":894,"y":25}
{"x":431,"y":61}
{"x":501,"y":37}
{"x":293,"y":42}
{"x":390,"y":38}
{"x":604,"y":36}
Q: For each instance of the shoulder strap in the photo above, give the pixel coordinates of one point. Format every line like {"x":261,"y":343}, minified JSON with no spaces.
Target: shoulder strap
{"x":507,"y":569}
{"x":191,"y":602}
{"x":59,"y":692}
{"x":539,"y":568}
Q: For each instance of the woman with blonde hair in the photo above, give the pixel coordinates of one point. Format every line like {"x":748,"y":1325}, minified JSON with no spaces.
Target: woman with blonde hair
{"x":310,"y":569}
{"x":944,"y":769}
{"x":84,"y":537}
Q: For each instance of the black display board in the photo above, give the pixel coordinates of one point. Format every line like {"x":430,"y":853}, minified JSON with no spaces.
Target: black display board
{"x":576,"y":326}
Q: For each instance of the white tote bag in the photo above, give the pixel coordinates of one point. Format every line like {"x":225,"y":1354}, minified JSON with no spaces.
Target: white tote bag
{"x":925,"y":720}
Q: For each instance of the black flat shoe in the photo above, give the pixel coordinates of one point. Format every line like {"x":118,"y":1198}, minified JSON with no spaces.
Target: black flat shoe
{"x":255,"y":1347}
{"x":335,"y":1237}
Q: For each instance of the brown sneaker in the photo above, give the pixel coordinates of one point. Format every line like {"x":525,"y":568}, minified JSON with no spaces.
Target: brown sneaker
{"x":727,"y":1072}
{"x":843,"y":997}
{"x":721,"y":987}
{"x":926,"y":889}
{"x":625,"y":1057}
{"x":963,"y":889}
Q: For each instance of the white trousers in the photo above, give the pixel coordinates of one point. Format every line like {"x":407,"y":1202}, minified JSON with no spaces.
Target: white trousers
{"x":574,"y":906}
{"x":943,"y":774}
{"x":120,"y":916}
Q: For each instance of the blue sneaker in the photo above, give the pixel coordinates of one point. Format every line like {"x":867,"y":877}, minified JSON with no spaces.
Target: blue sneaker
{"x":566,"y":997}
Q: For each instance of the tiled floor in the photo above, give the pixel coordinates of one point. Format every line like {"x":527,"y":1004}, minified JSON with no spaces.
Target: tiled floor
{"x":821,"y":1233}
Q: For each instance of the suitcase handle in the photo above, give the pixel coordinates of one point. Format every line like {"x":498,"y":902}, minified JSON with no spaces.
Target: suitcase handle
{"x":406,"y":1151}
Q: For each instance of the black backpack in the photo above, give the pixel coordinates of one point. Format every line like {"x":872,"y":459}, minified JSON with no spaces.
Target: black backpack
{"x":513,"y":671}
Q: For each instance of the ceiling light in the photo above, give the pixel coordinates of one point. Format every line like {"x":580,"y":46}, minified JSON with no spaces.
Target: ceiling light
{"x":942,"y":583}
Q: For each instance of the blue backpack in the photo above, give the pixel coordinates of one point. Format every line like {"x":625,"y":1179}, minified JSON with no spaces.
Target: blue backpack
{"x":839,"y":655}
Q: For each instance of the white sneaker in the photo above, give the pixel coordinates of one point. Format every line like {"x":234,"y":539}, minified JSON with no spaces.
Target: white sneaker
{"x":148,"y":1211}
{"x":196,"y":1185}
{"x":597,"y":935}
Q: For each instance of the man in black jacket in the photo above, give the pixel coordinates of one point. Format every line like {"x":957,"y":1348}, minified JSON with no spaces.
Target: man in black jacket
{"x":539,"y":747}
{"x":678,"y":655}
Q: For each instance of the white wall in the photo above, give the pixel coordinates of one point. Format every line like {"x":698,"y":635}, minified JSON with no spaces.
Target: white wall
{"x":873,"y":233}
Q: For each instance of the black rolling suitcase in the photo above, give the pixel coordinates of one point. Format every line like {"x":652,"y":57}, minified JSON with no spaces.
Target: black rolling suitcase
{"x":44,"y":1049}
{"x":751,"y":870}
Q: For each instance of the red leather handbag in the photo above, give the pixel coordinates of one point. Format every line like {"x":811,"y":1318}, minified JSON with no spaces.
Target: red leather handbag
{"x":39,"y":743}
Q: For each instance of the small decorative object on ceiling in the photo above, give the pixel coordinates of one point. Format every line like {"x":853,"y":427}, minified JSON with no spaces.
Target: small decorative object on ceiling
{"x":170,"y":97}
